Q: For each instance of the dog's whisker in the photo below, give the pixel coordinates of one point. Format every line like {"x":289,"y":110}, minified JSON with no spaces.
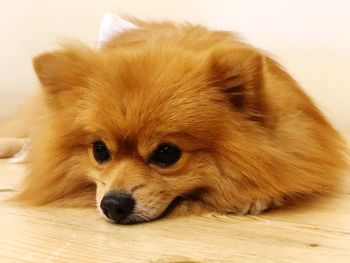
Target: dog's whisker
{"x":139,"y":218}
{"x":95,"y":178}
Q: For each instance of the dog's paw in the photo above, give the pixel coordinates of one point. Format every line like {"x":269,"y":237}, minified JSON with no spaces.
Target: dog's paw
{"x":258,"y":206}
{"x":9,"y":147}
{"x":22,"y":155}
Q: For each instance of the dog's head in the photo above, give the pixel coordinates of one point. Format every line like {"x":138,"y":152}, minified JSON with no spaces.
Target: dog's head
{"x":156,"y":120}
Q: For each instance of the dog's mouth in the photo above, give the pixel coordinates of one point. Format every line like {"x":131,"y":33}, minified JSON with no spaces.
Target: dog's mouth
{"x":178,"y":200}
{"x":137,"y":219}
{"x":172,"y":205}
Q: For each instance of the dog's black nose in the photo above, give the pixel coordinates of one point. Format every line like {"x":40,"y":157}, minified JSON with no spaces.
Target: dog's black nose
{"x":117,"y":206}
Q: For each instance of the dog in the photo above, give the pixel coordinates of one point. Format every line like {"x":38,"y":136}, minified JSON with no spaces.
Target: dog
{"x":175,"y":119}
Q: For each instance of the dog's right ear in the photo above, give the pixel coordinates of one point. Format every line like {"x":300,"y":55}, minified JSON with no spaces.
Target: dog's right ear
{"x":62,"y":70}
{"x":238,"y":71}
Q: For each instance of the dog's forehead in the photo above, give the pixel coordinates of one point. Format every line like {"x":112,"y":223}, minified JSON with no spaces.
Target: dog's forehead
{"x":154,"y":65}
{"x":153,"y":79}
{"x":153,"y":92}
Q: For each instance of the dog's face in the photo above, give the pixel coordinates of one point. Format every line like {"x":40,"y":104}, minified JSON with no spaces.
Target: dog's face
{"x":152,"y":129}
{"x":149,"y":124}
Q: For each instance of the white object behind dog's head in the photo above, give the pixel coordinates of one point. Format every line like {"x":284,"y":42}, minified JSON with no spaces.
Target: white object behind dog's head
{"x":111,"y":26}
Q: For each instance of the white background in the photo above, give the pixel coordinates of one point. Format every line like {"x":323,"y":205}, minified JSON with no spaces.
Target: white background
{"x":310,"y":38}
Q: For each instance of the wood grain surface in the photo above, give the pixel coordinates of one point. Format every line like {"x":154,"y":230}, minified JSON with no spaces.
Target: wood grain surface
{"x":317,"y":231}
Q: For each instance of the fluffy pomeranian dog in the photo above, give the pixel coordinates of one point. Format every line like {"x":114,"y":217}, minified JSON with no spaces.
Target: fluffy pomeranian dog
{"x":171,"y":119}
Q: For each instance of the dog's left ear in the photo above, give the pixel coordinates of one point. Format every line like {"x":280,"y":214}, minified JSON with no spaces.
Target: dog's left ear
{"x":239,"y":73}
{"x":63,"y":70}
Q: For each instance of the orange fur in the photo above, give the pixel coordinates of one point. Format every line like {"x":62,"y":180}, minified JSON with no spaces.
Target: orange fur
{"x":251,"y":139}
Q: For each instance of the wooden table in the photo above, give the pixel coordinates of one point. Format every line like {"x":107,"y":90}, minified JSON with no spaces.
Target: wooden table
{"x":318,"y":231}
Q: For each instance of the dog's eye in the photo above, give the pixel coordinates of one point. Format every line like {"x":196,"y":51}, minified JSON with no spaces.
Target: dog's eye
{"x":100,"y":152}
{"x":165,"y":154}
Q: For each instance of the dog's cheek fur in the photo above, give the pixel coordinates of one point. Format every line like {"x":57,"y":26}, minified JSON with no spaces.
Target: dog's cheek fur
{"x":57,"y":169}
{"x":290,"y":151}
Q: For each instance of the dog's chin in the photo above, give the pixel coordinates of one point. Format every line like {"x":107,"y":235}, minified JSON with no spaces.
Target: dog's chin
{"x":133,"y":219}
{"x":137,"y":218}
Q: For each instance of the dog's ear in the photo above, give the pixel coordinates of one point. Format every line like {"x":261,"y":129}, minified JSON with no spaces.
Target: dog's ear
{"x":239,"y":73}
{"x":61,"y":70}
